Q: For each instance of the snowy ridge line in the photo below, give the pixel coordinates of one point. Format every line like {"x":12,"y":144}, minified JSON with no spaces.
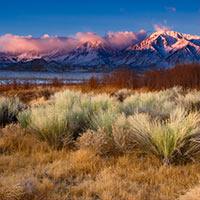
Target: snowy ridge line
{"x":162,"y":49}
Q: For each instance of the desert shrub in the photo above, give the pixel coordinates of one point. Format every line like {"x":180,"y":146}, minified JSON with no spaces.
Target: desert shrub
{"x":103,"y":102}
{"x":103,"y":120}
{"x":67,"y":115}
{"x":154,"y":104}
{"x":13,"y":138}
{"x":49,"y":124}
{"x":9,"y":109}
{"x":174,"y":140}
{"x":102,"y":112}
{"x":149,"y":121}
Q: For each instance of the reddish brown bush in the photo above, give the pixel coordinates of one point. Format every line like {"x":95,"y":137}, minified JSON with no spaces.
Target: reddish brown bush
{"x":187,"y":76}
{"x":93,"y":82}
{"x":122,"y":78}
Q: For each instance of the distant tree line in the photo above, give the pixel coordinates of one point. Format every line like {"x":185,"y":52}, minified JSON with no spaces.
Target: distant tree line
{"x":186,"y":75}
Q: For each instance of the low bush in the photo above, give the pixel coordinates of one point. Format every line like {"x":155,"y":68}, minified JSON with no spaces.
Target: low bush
{"x":155,"y":104}
{"x":67,"y":115}
{"x":9,"y":109}
{"x":165,"y":124}
{"x":173,"y":141}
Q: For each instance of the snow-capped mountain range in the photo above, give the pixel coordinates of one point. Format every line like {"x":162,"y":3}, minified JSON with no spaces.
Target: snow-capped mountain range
{"x":161,"y":49}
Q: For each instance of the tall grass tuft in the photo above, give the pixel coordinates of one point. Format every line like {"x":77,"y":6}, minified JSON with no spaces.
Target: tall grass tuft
{"x":174,"y":140}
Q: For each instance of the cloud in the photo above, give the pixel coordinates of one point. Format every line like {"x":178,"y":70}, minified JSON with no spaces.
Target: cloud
{"x":47,"y":43}
{"x":85,"y":37}
{"x":14,"y":43}
{"x":122,"y":40}
{"x":159,"y":28}
{"x":173,"y":9}
{"x":117,"y":40}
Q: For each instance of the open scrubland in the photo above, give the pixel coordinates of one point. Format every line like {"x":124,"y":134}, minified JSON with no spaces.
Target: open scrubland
{"x":123,"y":144}
{"x":97,"y":141}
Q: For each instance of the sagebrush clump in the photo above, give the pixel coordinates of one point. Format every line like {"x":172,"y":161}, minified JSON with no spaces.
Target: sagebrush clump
{"x":165,"y":124}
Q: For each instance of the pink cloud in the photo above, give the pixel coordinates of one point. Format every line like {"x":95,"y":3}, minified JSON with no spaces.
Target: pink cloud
{"x":85,"y":37}
{"x":122,"y":40}
{"x":46,"y":43}
{"x":14,"y":43}
{"x":161,"y":27}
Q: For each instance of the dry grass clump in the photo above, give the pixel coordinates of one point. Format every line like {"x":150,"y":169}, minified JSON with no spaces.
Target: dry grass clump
{"x":113,"y":137}
{"x":99,"y":141}
{"x":14,"y":139}
{"x":14,"y":189}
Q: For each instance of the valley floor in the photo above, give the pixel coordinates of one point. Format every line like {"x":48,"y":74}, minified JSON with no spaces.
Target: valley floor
{"x":33,"y":169}
{"x":30,"y":169}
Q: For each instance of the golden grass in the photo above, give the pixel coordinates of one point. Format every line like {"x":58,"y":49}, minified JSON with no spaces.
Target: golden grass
{"x":31,"y":170}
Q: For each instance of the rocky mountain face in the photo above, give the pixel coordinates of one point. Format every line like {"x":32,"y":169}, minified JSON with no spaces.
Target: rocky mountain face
{"x":161,"y":50}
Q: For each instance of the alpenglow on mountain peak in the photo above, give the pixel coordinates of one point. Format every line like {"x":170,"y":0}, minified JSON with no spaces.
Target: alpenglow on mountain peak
{"x":161,"y":49}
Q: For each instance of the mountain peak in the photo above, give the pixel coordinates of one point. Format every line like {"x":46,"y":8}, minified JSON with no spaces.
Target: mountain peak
{"x":160,"y":49}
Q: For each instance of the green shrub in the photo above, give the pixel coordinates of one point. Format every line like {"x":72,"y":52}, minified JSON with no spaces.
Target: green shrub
{"x":155,"y":104}
{"x":66,"y":116}
{"x":174,"y":140}
{"x":160,"y":123}
{"x":49,"y":124}
{"x":103,"y":120}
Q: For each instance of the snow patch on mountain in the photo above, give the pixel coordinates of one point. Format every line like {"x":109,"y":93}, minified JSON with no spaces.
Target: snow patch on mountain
{"x":160,"y":49}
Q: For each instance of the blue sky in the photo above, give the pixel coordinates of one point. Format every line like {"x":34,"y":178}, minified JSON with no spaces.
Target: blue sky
{"x":66,"y":18}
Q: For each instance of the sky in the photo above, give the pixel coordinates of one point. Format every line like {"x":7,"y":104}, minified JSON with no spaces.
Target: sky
{"x":67,"y":17}
{"x":44,"y":25}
